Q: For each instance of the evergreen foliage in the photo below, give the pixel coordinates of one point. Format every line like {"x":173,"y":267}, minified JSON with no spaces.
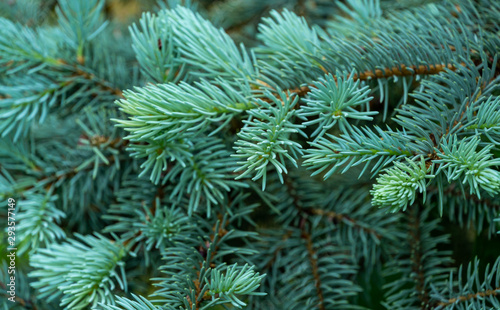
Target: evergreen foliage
{"x":251,"y":155}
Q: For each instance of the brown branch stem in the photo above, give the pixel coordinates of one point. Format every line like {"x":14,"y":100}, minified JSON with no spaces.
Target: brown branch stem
{"x":454,"y":191}
{"x":221,"y":232}
{"x":486,"y":293}
{"x":342,"y":217}
{"x":311,"y":254}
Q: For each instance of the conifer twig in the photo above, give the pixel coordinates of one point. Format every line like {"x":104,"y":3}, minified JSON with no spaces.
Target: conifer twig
{"x":416,"y":256}
{"x":311,"y":253}
{"x":330,"y":214}
{"x":78,"y":71}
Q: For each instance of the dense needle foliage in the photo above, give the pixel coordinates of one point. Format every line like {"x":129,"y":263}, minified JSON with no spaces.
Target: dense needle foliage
{"x":251,"y":154}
